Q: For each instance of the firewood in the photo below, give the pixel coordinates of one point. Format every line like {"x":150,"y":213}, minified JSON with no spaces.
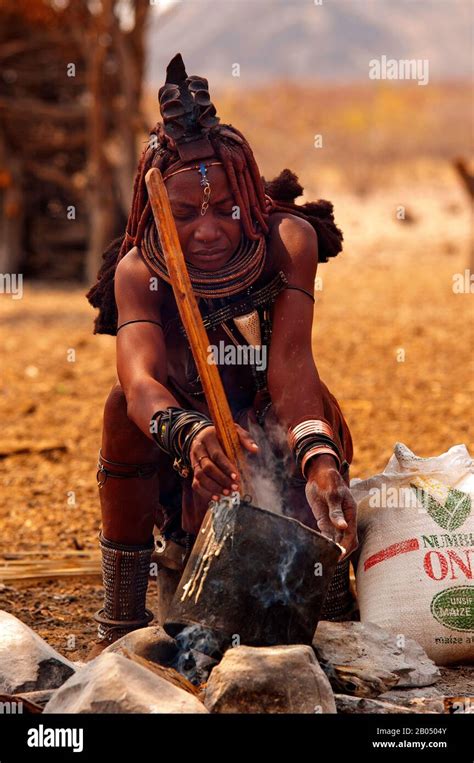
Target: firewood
{"x":169,"y":674}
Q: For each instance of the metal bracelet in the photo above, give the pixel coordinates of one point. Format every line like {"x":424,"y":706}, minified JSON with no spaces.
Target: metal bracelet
{"x":143,"y":471}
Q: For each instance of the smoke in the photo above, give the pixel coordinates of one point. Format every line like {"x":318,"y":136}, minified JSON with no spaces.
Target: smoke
{"x":267,"y":470}
{"x":200,"y":638}
{"x":265,"y":491}
{"x":284,"y":587}
{"x":269,"y":473}
{"x":199,"y":651}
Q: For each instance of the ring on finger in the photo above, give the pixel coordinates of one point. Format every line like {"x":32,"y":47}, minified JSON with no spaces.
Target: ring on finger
{"x":199,"y":461}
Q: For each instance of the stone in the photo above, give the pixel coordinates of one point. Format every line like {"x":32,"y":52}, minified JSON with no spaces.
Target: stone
{"x":27,"y":662}
{"x":427,"y":692}
{"x":424,"y":705}
{"x":114,"y":684}
{"x":347,"y":704}
{"x":359,"y":681}
{"x":366,"y":646}
{"x":276,"y":679}
{"x":151,"y":643}
{"x":426,"y":699}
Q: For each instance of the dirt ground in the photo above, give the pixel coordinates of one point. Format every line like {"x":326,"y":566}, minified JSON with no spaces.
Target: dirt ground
{"x":388,"y":296}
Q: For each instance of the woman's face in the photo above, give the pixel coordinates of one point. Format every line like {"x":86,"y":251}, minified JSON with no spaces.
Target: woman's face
{"x":208,"y":241}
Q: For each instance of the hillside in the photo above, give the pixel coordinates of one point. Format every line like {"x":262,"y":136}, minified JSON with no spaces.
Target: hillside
{"x":297,"y":39}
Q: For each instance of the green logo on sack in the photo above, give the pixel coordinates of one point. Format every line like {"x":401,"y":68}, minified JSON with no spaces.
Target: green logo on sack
{"x":451,"y":513}
{"x":454,"y":608}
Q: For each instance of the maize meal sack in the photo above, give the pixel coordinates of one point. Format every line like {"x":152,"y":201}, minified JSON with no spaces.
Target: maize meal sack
{"x":416,"y":551}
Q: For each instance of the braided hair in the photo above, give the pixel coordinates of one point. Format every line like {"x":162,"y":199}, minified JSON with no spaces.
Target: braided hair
{"x":248,"y":189}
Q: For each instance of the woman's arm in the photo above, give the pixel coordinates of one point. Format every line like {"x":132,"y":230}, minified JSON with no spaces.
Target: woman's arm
{"x":141,"y":351}
{"x":142,"y":370}
{"x":292,"y":375}
{"x":293,"y":379}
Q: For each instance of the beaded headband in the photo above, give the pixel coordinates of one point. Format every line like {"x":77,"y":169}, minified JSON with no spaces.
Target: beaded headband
{"x":202,"y":169}
{"x":187,"y":169}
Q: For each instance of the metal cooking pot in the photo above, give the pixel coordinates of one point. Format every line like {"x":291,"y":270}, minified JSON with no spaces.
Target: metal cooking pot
{"x":254,"y":577}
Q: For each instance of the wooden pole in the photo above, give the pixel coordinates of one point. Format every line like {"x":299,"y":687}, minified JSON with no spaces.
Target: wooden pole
{"x":192,"y":321}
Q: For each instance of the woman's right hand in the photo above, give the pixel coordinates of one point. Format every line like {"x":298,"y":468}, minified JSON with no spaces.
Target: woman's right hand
{"x":214,"y":474}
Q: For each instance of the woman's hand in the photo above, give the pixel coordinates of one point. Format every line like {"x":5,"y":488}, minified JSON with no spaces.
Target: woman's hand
{"x":331,"y":502}
{"x":214,"y":474}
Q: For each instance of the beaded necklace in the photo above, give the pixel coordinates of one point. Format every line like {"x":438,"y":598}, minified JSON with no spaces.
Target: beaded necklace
{"x":242,"y":270}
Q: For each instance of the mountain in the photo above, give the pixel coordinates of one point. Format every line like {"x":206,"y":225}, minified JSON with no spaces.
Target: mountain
{"x":300,"y":39}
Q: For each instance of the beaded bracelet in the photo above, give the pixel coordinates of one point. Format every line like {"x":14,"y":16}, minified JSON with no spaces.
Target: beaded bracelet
{"x":169,"y":429}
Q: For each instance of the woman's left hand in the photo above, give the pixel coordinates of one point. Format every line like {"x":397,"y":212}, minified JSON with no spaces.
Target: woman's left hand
{"x":331,"y":502}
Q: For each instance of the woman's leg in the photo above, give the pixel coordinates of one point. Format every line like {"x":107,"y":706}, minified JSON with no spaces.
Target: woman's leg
{"x":129,"y":503}
{"x":128,"y":478}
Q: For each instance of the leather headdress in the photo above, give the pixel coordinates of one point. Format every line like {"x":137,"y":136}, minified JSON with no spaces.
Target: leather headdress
{"x":187,"y":111}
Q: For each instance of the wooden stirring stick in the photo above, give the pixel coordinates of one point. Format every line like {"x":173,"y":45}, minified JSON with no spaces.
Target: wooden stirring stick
{"x":192,"y":321}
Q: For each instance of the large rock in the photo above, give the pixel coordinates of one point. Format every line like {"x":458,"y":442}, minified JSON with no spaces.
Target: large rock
{"x":114,"y":684}
{"x":27,"y":663}
{"x":276,"y":679}
{"x":367,"y":647}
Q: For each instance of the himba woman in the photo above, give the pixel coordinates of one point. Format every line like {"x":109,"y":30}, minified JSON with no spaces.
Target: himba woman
{"x":252,"y":255}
